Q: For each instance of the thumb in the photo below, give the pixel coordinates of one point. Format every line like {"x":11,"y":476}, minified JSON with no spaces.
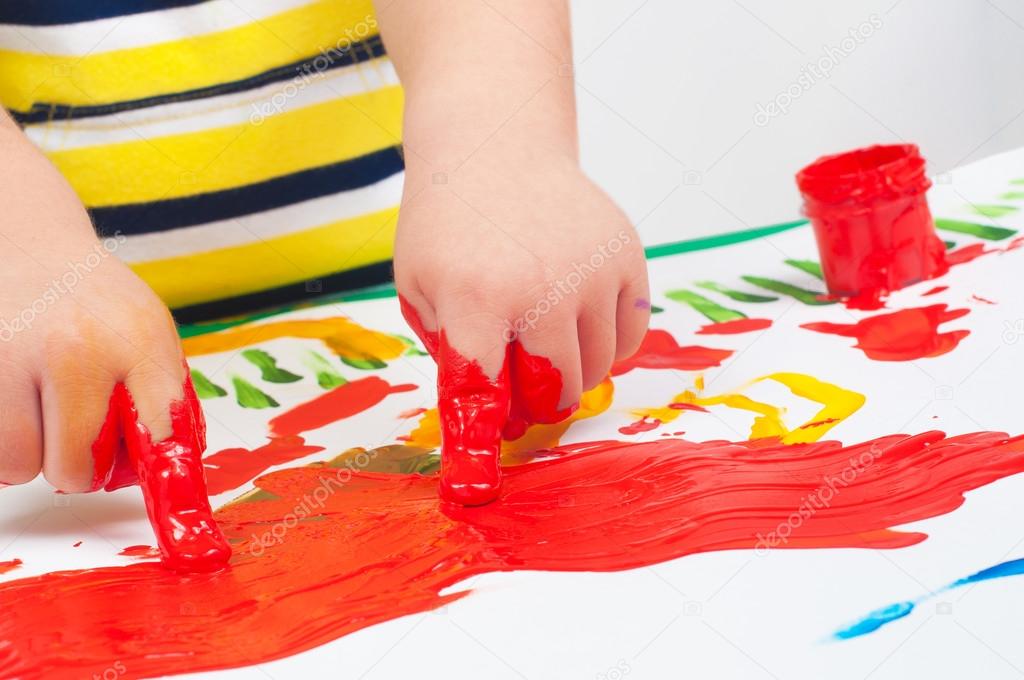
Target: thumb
{"x":473,"y":408}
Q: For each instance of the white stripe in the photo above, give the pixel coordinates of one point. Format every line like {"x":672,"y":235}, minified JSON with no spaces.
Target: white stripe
{"x":238,"y":108}
{"x":265,"y":225}
{"x":139,"y":30}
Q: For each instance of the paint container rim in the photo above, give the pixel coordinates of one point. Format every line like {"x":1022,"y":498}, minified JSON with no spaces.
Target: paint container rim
{"x":867,"y":174}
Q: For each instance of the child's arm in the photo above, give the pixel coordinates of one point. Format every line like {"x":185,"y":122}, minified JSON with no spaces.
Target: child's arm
{"x":74,"y":322}
{"x":499,"y":228}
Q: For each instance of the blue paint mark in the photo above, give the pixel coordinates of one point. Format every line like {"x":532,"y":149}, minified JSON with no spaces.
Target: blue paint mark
{"x":895,"y":612}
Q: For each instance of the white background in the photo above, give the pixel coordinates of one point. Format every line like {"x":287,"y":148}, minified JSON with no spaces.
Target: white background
{"x":670,"y":86}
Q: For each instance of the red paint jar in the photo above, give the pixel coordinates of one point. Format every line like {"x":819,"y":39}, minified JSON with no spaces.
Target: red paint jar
{"x":871,"y":220}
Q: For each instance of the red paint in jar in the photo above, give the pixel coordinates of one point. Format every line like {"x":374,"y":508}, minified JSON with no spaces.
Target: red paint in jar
{"x":874,"y":230}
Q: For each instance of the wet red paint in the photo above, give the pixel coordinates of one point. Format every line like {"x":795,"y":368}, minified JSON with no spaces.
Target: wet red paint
{"x":872,"y":223}
{"x":904,"y":335}
{"x":659,"y":350}
{"x":476,"y":411}
{"x":978,"y":298}
{"x":170,"y":473}
{"x":642,"y":425}
{"x":735,"y":326}
{"x":140,"y":551}
{"x":231,"y":468}
{"x":9,"y":565}
{"x":343,"y":401}
{"x":379,"y":546}
{"x":75,"y":545}
{"x":686,"y":406}
{"x":935,"y":291}
{"x":967,"y":254}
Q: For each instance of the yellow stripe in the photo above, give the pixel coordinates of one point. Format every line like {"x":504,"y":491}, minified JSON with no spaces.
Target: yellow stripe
{"x":186,"y":64}
{"x":238,"y":270}
{"x":227,"y":157}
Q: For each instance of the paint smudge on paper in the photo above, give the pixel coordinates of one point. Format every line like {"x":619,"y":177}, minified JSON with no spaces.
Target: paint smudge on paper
{"x":811,"y":267}
{"x":205,"y":388}
{"x":9,"y":565}
{"x":267,"y":364}
{"x":978,"y":298}
{"x":807,"y":297}
{"x":985,"y":231}
{"x":248,"y":395}
{"x":142,"y":552}
{"x":376,"y":547}
{"x":642,"y":425}
{"x":326,"y":376}
{"x":894,"y":612}
{"x":231,"y":468}
{"x":735,"y":326}
{"x":935,"y":291}
{"x":709,"y":308}
{"x":903,"y":335}
{"x":837,"y":405}
{"x":994,"y":210}
{"x":737,"y":295}
{"x":660,"y":351}
{"x":343,"y":401}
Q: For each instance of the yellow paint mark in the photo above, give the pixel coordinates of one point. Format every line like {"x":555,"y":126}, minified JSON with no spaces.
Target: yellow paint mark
{"x":837,"y":405}
{"x":343,"y":336}
{"x":427,"y":433}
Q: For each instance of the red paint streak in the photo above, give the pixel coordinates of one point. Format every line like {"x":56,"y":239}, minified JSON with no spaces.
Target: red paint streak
{"x":343,"y":401}
{"x":231,"y":468}
{"x":381,"y":547}
{"x":9,"y":565}
{"x":967,"y":254}
{"x":476,"y":412}
{"x":986,"y":301}
{"x":686,"y":406}
{"x":817,"y":423}
{"x":659,"y":350}
{"x":170,"y":473}
{"x":642,"y":425}
{"x":75,"y":545}
{"x":412,"y":413}
{"x":904,"y":335}
{"x":735,"y":326}
{"x":140,"y":551}
{"x":936,"y":290}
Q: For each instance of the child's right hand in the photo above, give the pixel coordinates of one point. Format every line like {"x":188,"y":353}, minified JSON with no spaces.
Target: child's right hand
{"x":75,"y":322}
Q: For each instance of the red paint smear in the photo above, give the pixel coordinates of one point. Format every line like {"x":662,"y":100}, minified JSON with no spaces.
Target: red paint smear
{"x":904,"y":335}
{"x":75,"y":545}
{"x":659,"y":350}
{"x":381,"y":547}
{"x":983,"y":300}
{"x":9,"y":565}
{"x":343,"y":401}
{"x":230,"y":468}
{"x":642,"y":425}
{"x":685,"y":406}
{"x":170,"y":473}
{"x":412,"y":413}
{"x":936,"y":290}
{"x":735,"y":326}
{"x":140,"y":551}
{"x":967,"y":254}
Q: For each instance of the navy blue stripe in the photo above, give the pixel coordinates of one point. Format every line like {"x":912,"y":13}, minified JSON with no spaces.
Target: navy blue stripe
{"x":309,"y":67}
{"x":144,"y":218}
{"x":341,"y":282}
{"x":53,"y":12}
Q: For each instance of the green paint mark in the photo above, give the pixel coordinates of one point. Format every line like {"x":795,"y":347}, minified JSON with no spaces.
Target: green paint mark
{"x":655,"y":309}
{"x":985,"y":231}
{"x":808,"y":297}
{"x":268,"y":367}
{"x":250,"y":396}
{"x":326,"y":376}
{"x":413,"y":350}
{"x":1013,"y":196}
{"x":1017,"y":181}
{"x":809,"y":266}
{"x":993,"y":209}
{"x":204,"y":388}
{"x":719,"y":240}
{"x":708,"y":308}
{"x":949,"y":244}
{"x":737,"y":295}
{"x":369,"y":364}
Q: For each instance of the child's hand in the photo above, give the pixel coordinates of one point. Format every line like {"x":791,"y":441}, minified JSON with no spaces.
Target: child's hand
{"x":75,"y":322}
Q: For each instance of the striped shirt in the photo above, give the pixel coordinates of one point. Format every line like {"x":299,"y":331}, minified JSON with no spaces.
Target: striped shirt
{"x":248,"y":150}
